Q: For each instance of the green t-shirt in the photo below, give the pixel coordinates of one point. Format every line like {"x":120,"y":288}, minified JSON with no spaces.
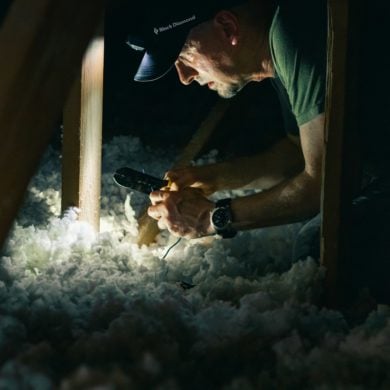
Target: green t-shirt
{"x":298,"y":41}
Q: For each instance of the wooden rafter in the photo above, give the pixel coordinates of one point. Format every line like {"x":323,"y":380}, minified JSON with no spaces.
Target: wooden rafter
{"x":41,"y":44}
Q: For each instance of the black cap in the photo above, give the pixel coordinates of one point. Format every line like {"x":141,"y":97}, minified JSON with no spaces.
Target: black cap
{"x":162,"y":31}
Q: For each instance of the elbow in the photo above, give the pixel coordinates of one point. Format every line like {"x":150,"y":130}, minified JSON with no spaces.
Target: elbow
{"x":313,"y":193}
{"x":315,"y":203}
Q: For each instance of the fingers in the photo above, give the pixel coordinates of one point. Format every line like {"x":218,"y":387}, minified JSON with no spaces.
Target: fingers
{"x":156,"y":212}
{"x":161,"y":196}
{"x":195,"y":177}
{"x":180,"y":178}
{"x":162,"y":211}
{"x":159,"y":213}
{"x":161,"y":224}
{"x":157,"y":197}
{"x":163,"y":203}
{"x":171,"y":175}
{"x":184,"y":213}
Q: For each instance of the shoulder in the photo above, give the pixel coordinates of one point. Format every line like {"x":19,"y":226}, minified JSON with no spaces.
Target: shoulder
{"x":298,"y":42}
{"x":298,"y":21}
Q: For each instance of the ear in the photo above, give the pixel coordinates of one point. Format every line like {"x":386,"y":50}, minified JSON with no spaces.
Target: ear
{"x":227,"y":23}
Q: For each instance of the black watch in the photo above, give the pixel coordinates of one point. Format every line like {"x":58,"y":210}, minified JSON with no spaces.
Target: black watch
{"x":221,"y":218}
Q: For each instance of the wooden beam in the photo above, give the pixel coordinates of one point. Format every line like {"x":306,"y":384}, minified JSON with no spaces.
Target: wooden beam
{"x":147,"y":226}
{"x":42,"y":43}
{"x":341,"y":160}
{"x":82,"y":137}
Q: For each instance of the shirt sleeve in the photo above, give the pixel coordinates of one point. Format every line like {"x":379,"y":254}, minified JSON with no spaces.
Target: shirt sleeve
{"x":298,"y":47}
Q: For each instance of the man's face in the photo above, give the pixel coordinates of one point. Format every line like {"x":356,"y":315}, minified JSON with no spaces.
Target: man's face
{"x":206,"y":60}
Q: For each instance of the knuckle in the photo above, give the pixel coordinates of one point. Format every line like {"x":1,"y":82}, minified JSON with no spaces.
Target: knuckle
{"x":153,"y":196}
{"x":152,"y":213}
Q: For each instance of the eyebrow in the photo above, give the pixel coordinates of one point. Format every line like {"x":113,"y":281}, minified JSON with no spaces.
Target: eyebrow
{"x":184,"y":57}
{"x":187,"y":51}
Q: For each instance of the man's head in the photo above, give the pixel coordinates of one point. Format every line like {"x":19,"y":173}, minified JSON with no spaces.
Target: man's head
{"x":211,"y":54}
{"x":209,"y":42}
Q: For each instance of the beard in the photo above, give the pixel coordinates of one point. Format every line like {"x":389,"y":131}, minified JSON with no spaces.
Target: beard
{"x":228,"y":91}
{"x":225,"y":89}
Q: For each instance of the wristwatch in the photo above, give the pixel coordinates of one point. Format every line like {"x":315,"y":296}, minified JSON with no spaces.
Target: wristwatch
{"x":221,"y":218}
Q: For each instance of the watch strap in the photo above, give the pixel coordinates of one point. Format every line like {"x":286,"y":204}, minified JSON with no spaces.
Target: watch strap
{"x":228,"y":231}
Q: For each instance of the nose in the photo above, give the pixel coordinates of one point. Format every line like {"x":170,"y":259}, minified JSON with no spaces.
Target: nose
{"x":186,"y":73}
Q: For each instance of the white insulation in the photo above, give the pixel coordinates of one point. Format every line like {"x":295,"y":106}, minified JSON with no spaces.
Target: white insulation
{"x":80,"y":311}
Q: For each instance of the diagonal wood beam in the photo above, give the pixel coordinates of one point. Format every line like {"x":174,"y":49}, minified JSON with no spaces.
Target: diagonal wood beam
{"x":41,"y":45}
{"x":147,"y":226}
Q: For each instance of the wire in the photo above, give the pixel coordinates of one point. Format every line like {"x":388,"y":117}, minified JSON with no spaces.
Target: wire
{"x":169,"y":249}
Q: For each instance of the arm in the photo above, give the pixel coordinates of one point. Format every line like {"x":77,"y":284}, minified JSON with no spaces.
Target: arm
{"x":281,"y":161}
{"x":293,"y":199}
{"x":187,"y":212}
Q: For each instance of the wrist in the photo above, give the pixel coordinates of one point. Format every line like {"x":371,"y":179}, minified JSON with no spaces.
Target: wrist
{"x":221,"y":219}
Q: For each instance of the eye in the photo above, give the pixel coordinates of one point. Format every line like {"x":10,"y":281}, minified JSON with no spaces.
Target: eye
{"x":187,"y":57}
{"x":187,"y":54}
{"x":184,"y":61}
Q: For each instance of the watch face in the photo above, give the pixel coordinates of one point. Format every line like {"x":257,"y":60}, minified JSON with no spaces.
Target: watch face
{"x":220,"y":218}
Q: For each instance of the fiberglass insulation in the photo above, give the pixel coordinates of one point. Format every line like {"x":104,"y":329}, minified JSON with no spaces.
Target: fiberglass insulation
{"x":80,"y":312}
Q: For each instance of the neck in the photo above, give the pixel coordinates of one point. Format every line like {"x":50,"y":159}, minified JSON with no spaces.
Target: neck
{"x":257,"y":64}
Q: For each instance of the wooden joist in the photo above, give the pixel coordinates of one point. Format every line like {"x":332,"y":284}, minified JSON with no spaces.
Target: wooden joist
{"x":341,"y":167}
{"x":41,"y":44}
{"x":82,"y":137}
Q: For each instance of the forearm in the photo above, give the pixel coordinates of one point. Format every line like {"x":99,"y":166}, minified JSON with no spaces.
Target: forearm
{"x":281,"y":161}
{"x":290,"y":201}
{"x":186,"y":211}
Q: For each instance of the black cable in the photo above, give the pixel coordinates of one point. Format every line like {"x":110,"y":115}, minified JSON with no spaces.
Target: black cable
{"x":169,"y":249}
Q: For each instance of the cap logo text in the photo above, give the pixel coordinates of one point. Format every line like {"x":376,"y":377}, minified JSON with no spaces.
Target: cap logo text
{"x":172,"y":25}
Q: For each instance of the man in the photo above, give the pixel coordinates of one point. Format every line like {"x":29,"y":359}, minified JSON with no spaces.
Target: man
{"x":224,"y":45}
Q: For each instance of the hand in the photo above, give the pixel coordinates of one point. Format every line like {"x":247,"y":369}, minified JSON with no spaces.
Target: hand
{"x":202,"y":177}
{"x":184,"y":213}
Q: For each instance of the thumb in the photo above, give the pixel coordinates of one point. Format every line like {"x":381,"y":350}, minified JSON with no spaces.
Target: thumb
{"x":178,"y":179}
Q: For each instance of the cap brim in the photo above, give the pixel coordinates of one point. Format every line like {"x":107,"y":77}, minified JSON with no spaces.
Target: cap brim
{"x":159,"y":61}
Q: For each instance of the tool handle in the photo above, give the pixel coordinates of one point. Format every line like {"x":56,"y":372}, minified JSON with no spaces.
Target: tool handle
{"x":138,"y":181}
